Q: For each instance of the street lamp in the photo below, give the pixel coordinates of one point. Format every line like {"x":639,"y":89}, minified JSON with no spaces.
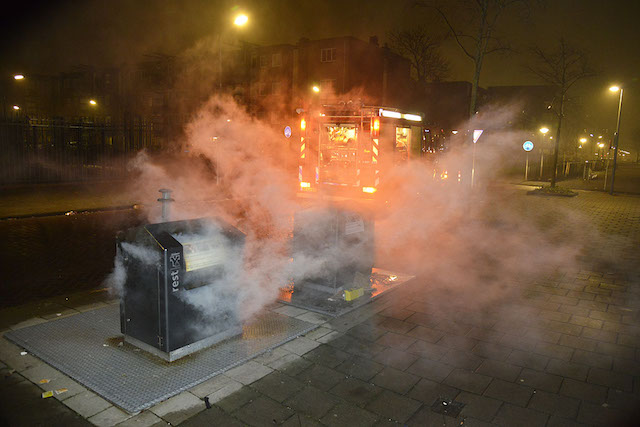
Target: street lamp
{"x":239,"y":21}
{"x":543,"y":131}
{"x":93,"y":102}
{"x":16,"y":107}
{"x":616,"y":136}
{"x":316,"y":89}
{"x":18,"y":76}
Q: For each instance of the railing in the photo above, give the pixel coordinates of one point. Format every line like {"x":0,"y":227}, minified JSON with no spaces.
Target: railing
{"x":58,"y":150}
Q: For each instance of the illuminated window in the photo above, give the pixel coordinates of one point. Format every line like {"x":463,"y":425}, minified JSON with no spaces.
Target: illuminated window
{"x":328,"y":54}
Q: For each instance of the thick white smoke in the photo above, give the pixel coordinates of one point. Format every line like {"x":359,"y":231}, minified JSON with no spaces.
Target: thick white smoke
{"x":477,"y":241}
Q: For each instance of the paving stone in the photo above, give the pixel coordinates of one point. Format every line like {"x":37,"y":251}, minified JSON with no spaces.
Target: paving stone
{"x":396,"y":341}
{"x":517,"y":342}
{"x":327,"y":356}
{"x":486,"y":335}
{"x":311,"y":317}
{"x":40,"y":372}
{"x":596,"y":414}
{"x":586,"y":321}
{"x":555,"y":421}
{"x":271,"y":356}
{"x":568,"y":369}
{"x":325,"y":339}
{"x":535,"y":334}
{"x":462,"y":359}
{"x":430,"y":369}
{"x":317,"y":333}
{"x":581,"y":390}
{"x":578,"y":342}
{"x":178,"y":408}
{"x":476,"y":406}
{"x":278,"y":386}
{"x":528,"y":360}
{"x":72,"y":387}
{"x":572,"y":309}
{"x":454,"y":327}
{"x":237,"y":399}
{"x":491,"y":351}
{"x":263,"y":412}
{"x":370,"y":332}
{"x":248,"y":372}
{"x":396,"y":326}
{"x":458,"y":342}
{"x":592,"y":359}
{"x":291,"y":364}
{"x":424,"y":319}
{"x":511,"y":415}
{"x":301,"y":420}
{"x":320,"y":377}
{"x":211,"y":385}
{"x":509,"y":392}
{"x":360,"y":367}
{"x":428,"y":391}
{"x":622,"y":400}
{"x":600,"y":335}
{"x":394,"y":406}
{"x":395,"y":380}
{"x":554,"y":404}
{"x":428,"y":350}
{"x":397,"y":313}
{"x":629,"y":340}
{"x":497,"y":369}
{"x":627,"y":366}
{"x":344,"y":414}
{"x":300,"y":346}
{"x":355,"y":391}
{"x":539,"y":380}
{"x":312,"y":401}
{"x":615,"y":350}
{"x":87,"y":403}
{"x":109,"y":417}
{"x":224,"y":392}
{"x":607,"y":378}
{"x":554,"y":350}
{"x":426,"y":334}
{"x":563,"y":328}
{"x":358,"y":347}
{"x":143,"y":419}
{"x":468,"y":381}
{"x":396,"y":358}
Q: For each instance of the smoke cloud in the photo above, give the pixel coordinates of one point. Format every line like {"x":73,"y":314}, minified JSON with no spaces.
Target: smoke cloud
{"x":480,"y":243}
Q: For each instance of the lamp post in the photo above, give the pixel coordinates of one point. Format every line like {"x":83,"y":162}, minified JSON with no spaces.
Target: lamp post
{"x":239,"y":21}
{"x":543,"y":131}
{"x":615,"y":137}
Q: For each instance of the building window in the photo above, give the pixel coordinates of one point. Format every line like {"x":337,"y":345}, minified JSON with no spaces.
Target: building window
{"x":254,"y":61}
{"x":264,"y":60}
{"x":262,"y":89}
{"x":276,"y":60}
{"x":328,"y":55}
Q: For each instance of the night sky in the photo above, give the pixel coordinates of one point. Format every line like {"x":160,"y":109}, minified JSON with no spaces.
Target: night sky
{"x":49,"y":36}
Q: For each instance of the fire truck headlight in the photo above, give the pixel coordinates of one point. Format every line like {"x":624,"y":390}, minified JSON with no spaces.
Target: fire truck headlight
{"x":369,"y":190}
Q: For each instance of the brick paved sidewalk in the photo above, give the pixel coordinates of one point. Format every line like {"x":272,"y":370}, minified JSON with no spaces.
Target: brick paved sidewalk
{"x":563,"y":351}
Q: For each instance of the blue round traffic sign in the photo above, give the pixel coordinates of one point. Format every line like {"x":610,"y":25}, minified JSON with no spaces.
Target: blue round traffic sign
{"x":527,"y":146}
{"x":287,"y":131}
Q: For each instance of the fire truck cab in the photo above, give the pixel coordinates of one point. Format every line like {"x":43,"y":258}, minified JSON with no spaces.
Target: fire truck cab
{"x":348,"y":150}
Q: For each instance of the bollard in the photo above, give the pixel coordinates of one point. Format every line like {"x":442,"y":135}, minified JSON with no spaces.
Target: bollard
{"x":165,"y":200}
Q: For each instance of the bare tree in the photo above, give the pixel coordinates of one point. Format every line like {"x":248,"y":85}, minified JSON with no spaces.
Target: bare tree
{"x":561,"y":68}
{"x":474,"y":25}
{"x":423,"y":51}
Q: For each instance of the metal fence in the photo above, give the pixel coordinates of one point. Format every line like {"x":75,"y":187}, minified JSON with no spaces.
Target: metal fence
{"x":59,"y":150}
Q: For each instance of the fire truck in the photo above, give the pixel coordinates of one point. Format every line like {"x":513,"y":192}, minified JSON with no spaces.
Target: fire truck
{"x":347,"y":150}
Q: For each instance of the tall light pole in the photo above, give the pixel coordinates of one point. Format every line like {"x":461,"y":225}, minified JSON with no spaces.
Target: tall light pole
{"x":543,"y":131}
{"x":615,"y":137}
{"x":240,"y":20}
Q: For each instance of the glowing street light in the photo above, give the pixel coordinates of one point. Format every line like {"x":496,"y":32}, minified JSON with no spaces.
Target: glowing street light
{"x":616,"y":136}
{"x":316,"y":89}
{"x":241,"y":20}
{"x":93,"y":102}
{"x":16,"y":107}
{"x":601,"y":145}
{"x":544,"y":130}
{"x":583,"y":140}
{"x":19,"y":77}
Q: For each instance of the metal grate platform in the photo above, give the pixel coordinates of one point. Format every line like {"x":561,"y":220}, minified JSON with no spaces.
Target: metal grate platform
{"x":382,"y":281}
{"x":88,"y":347}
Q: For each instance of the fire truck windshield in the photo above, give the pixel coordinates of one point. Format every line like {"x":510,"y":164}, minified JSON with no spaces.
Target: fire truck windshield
{"x":338,"y":153}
